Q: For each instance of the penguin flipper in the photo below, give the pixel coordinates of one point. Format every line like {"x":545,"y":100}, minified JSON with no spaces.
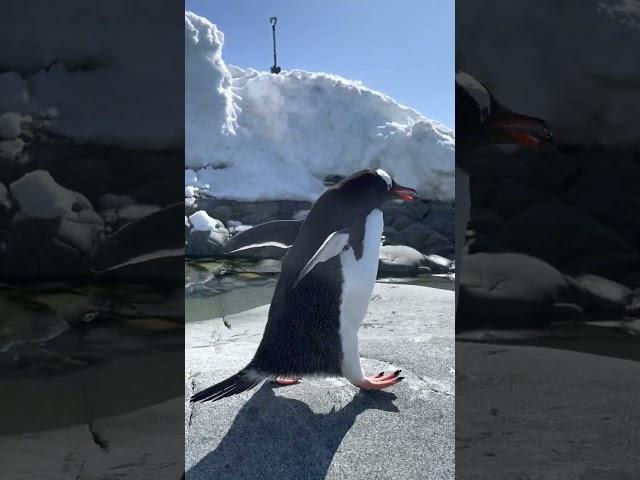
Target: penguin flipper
{"x":238,"y":383}
{"x":278,"y":233}
{"x":332,"y":246}
{"x":152,"y":237}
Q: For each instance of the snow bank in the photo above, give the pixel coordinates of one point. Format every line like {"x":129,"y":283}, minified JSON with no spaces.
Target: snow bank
{"x":257,"y":136}
{"x":592,"y":99}
{"x":108,"y":71}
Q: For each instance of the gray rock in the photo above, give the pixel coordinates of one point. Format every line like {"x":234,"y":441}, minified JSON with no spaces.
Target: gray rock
{"x":485,"y":220}
{"x":399,"y":260}
{"x":50,"y":247}
{"x":442,"y":220}
{"x":10,"y":128}
{"x":509,"y":290}
{"x":408,"y":328}
{"x":11,"y":148}
{"x":605,"y":297}
{"x":424,"y":239}
{"x":401,"y":222}
{"x":204,"y":243}
{"x":5,"y":200}
{"x":438,"y":264}
{"x":135,"y":212}
{"x":114,"y":201}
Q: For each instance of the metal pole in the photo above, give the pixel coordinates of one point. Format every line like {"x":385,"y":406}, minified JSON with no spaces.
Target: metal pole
{"x":275,"y":68}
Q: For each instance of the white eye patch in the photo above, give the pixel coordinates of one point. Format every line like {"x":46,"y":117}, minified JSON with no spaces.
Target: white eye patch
{"x":385,"y":176}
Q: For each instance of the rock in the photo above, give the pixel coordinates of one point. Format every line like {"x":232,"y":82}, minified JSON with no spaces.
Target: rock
{"x":134,"y":212}
{"x":38,"y":195}
{"x":408,"y":328}
{"x":514,"y":198}
{"x":13,"y":92}
{"x":485,"y":220}
{"x":5,"y":200}
{"x":424,"y":239}
{"x":403,"y":222}
{"x":389,"y":231}
{"x":399,"y":260}
{"x":544,"y":231}
{"x":256,"y":213}
{"x":11,"y":148}
{"x":50,"y":247}
{"x":509,"y":290}
{"x":81,"y":171}
{"x":604,"y":297}
{"x":205,"y":243}
{"x":10,"y":127}
{"x":442,"y":220}
{"x":300,"y":215}
{"x":438,"y":264}
{"x":113,"y":201}
{"x":203,"y":222}
{"x":189,"y":192}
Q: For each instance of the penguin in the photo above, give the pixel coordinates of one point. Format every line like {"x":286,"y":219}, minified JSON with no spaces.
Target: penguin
{"x":481,"y":120}
{"x":321,"y":297}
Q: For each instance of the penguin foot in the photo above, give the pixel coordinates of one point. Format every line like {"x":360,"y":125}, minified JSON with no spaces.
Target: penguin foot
{"x":287,"y":381}
{"x":380,"y":381}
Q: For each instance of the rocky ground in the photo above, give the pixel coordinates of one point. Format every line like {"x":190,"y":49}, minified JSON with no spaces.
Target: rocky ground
{"x":59,"y":199}
{"x":327,"y":428}
{"x":574,"y":214}
{"x":534,"y":412}
{"x":418,"y":236}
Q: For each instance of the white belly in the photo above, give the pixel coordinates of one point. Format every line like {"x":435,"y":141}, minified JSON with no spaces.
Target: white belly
{"x":359,"y":277}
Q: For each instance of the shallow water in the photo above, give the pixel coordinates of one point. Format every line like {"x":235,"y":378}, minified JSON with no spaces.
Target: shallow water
{"x":56,"y":328}
{"x":217,"y":289}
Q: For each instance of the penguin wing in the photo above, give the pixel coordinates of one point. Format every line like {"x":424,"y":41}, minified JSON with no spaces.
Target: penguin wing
{"x":279,"y":233}
{"x":152,"y":237}
{"x":332,"y":246}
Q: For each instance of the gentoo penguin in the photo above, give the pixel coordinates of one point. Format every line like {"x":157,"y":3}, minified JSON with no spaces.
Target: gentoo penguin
{"x":482,"y":121}
{"x":321,"y":297}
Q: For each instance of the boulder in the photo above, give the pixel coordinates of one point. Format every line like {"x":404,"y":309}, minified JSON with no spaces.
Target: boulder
{"x":399,"y":260}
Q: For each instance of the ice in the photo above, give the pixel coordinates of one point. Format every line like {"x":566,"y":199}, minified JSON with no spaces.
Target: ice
{"x":256,"y":136}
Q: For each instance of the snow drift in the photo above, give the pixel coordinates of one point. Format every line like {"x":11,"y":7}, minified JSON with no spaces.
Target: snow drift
{"x":96,"y":86}
{"x":591,"y":100}
{"x":256,"y":136}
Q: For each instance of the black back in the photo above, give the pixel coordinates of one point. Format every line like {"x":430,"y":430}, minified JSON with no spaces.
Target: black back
{"x":302,"y":333}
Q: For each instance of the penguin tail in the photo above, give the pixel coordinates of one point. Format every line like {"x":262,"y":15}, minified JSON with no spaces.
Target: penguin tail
{"x":240,"y":382}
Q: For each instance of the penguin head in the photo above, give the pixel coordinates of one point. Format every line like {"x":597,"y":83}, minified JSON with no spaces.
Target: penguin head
{"x":373,"y":188}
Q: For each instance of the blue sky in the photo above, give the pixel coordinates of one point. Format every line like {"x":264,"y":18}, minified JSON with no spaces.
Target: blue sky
{"x":404,"y":49}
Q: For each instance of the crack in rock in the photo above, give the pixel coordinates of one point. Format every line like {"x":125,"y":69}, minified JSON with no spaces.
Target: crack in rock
{"x":98,"y":439}
{"x":192,"y":383}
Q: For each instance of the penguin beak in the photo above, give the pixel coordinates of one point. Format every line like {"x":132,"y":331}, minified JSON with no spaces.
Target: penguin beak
{"x":404,"y":193}
{"x":525,"y":131}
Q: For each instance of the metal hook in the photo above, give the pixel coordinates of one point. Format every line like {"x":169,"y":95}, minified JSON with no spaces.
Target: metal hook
{"x":273,"y":21}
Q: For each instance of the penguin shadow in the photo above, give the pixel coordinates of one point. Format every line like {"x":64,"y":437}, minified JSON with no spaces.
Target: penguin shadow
{"x":279,"y":437}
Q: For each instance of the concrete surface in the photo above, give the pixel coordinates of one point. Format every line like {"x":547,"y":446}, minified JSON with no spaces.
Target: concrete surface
{"x":326,"y":428}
